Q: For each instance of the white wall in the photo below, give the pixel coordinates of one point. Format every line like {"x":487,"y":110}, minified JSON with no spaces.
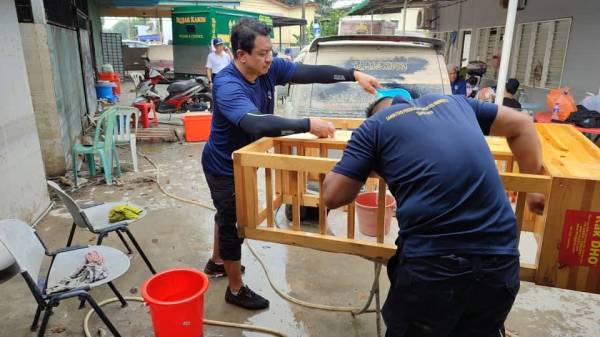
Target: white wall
{"x":581,"y":71}
{"x":23,"y":192}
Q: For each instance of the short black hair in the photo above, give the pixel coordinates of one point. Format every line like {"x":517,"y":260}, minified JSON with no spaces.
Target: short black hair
{"x":245,"y":32}
{"x":374,"y":107}
{"x":512,"y":85}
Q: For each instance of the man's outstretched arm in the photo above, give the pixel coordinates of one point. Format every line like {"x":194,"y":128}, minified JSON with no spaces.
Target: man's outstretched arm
{"x":307,"y":74}
{"x":523,"y":140}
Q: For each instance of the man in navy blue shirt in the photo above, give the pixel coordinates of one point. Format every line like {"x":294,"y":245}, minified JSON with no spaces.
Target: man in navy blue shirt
{"x":458,"y":84}
{"x":456,"y":269}
{"x":244,"y":101}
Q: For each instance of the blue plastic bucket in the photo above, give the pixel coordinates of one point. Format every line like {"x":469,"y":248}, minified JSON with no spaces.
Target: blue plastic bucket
{"x":104,"y":91}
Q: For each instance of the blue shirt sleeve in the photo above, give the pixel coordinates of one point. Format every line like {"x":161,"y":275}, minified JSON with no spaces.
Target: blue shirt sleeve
{"x":233,"y":102}
{"x":282,"y":71}
{"x":360,"y":154}
{"x":484,"y":112}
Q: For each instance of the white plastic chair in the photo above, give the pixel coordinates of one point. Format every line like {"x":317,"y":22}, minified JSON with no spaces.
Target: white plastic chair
{"x":123,"y":134}
{"x":95,"y":219}
{"x":136,"y":78}
{"x":28,"y":250}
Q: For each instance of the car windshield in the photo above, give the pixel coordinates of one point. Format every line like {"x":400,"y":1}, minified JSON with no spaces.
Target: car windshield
{"x":414,"y":68}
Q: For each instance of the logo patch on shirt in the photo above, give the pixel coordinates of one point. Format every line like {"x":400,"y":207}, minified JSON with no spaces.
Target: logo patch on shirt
{"x":420,"y":111}
{"x":269,"y":95}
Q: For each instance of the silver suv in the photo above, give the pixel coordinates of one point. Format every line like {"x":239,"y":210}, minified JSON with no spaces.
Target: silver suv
{"x":413,"y":63}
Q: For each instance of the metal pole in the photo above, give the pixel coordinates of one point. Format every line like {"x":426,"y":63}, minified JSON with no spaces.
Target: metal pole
{"x":371,"y":27}
{"x":511,"y":17}
{"x":405,"y":9}
{"x":303,"y":28}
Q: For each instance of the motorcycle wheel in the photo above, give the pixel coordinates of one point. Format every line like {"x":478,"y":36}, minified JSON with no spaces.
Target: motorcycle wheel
{"x":203,"y":98}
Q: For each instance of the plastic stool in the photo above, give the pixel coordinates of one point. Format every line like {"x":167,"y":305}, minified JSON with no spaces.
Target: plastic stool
{"x":146,"y":108}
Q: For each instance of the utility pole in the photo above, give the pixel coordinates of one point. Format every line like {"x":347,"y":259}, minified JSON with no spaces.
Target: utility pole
{"x":303,"y":28}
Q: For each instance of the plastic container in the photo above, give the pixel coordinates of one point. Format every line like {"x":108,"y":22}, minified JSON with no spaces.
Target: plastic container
{"x":111,"y":77}
{"x":104,"y":90}
{"x":366,"y":212}
{"x":175,"y":299}
{"x":196,"y":126}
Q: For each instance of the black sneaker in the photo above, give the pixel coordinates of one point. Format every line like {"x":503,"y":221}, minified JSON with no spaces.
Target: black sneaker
{"x":246,"y":299}
{"x":214,"y":270}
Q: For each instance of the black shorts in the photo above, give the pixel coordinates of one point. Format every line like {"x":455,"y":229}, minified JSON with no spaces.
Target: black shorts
{"x":222,"y":192}
{"x":450,"y":296}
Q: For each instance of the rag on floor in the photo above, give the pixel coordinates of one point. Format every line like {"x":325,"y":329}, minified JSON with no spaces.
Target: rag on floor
{"x":92,"y":270}
{"x":123,"y":212}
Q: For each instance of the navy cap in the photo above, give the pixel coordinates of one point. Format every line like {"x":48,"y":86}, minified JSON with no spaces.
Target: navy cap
{"x":217,"y":41}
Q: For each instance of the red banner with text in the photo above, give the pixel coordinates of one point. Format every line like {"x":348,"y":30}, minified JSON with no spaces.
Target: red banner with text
{"x":580,"y":243}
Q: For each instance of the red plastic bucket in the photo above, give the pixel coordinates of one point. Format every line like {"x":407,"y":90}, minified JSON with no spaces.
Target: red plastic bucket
{"x":175,"y":299}
{"x":366,"y":211}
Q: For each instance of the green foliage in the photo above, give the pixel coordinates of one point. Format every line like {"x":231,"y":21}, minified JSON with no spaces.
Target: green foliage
{"x":127,"y":27}
{"x":330,"y":22}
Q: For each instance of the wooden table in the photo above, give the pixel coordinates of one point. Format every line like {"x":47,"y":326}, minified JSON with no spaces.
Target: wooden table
{"x":546,"y":117}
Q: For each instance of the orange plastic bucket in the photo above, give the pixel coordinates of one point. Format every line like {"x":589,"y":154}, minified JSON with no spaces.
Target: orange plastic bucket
{"x":175,"y":299}
{"x":366,"y":212}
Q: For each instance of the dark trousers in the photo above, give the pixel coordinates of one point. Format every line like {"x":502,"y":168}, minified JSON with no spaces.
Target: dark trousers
{"x":222,"y":192}
{"x":450,"y":296}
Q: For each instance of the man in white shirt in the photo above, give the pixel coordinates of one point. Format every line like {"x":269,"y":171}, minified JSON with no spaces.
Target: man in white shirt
{"x":217,"y":60}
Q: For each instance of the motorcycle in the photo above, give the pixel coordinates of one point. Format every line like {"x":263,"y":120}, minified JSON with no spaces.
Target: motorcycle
{"x":185,"y":95}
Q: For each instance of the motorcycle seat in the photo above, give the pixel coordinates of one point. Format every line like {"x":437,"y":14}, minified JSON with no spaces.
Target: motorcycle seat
{"x":180,"y":86}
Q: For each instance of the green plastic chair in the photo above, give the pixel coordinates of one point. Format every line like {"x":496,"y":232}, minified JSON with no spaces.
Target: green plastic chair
{"x":103,"y":145}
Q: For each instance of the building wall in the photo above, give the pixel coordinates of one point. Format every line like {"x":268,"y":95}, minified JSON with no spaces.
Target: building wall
{"x":272,"y":7}
{"x":96,"y":30}
{"x":411,"y":19}
{"x":580,"y":71}
{"x":41,"y":83}
{"x":24,"y":194}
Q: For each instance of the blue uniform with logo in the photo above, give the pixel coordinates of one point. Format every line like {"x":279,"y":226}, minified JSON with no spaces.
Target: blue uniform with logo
{"x":456,"y":269}
{"x":234,"y":97}
{"x":459,"y":87}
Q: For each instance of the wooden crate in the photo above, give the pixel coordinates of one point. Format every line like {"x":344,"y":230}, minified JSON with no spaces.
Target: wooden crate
{"x":290,"y":162}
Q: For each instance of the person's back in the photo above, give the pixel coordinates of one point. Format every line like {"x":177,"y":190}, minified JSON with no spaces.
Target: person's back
{"x":456,"y":269}
{"x":434,"y":156}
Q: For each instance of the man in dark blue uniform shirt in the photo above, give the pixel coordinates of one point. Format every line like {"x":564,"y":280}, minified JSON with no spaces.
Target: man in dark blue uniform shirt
{"x":244,"y":100}
{"x":458,"y":84}
{"x":456,"y":269}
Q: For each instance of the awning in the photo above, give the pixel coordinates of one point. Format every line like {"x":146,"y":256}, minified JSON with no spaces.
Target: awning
{"x":393,"y":6}
{"x":282,"y":21}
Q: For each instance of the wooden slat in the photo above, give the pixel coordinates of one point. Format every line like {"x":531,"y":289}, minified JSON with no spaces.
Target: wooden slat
{"x":519,"y":182}
{"x":381,"y":210}
{"x":322,"y":208}
{"x":261,"y":145}
{"x":269,"y":196}
{"x":527,"y":272}
{"x":251,"y":196}
{"x":240,"y":201}
{"x":289,"y":162}
{"x":351,"y":219}
{"x":309,"y":200}
{"x":520,"y":210}
{"x":322,"y":242}
{"x":295,"y":200}
{"x":278,"y":173}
